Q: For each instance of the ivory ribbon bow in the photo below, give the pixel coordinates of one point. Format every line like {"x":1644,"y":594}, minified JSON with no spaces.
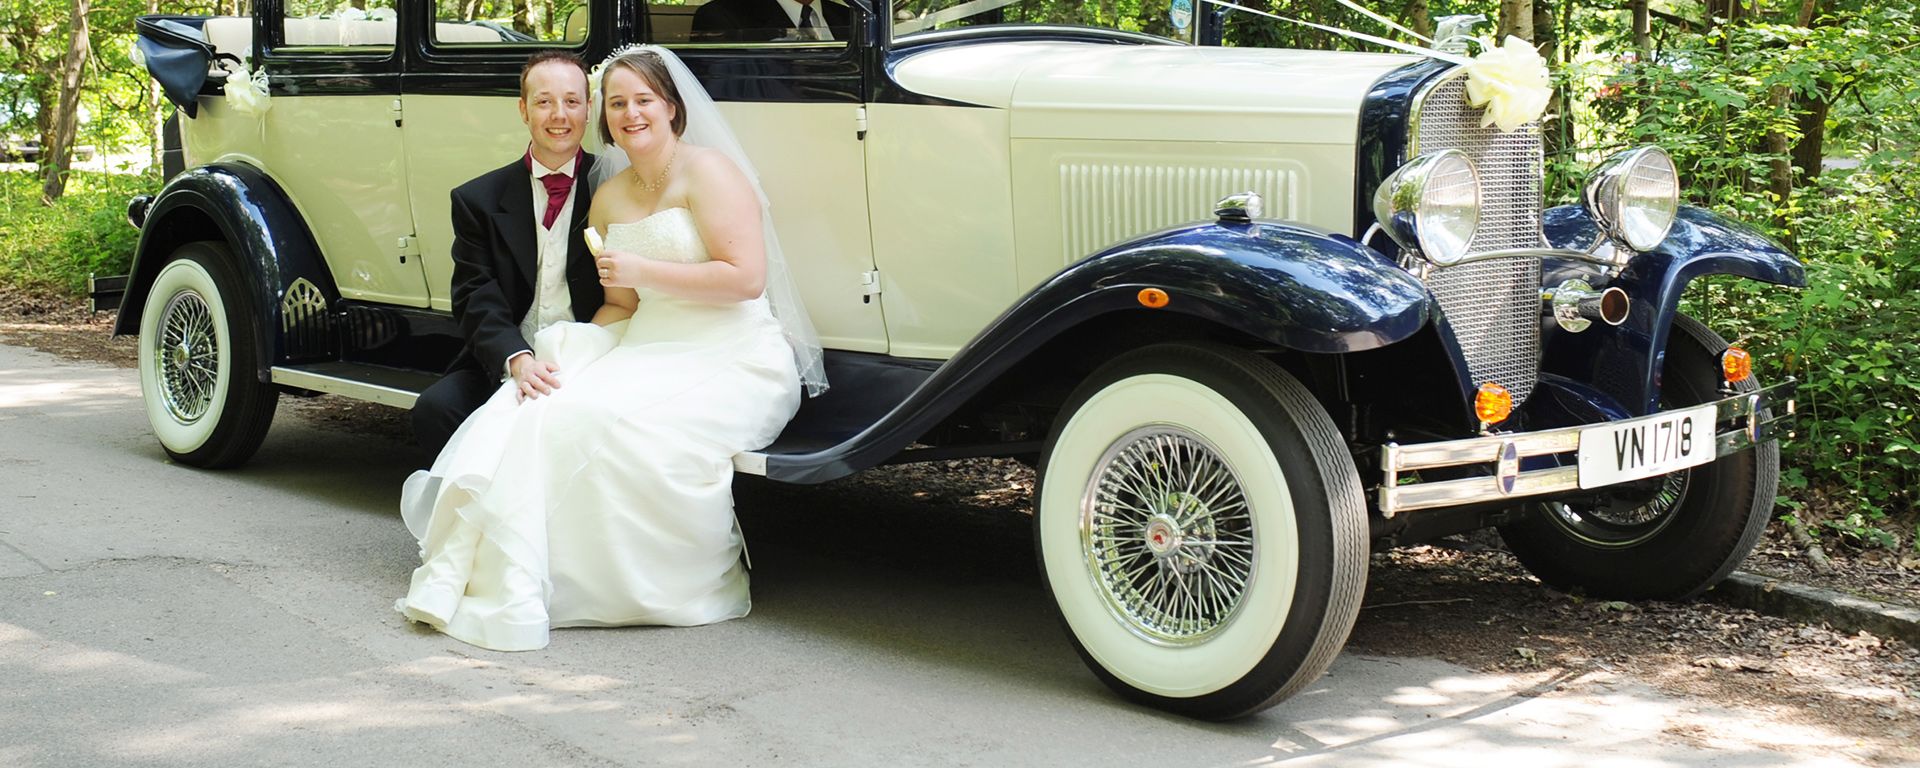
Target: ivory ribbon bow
{"x":247,"y":92}
{"x":1509,"y":83}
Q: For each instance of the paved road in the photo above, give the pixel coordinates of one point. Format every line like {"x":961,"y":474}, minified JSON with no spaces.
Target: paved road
{"x":153,"y":614}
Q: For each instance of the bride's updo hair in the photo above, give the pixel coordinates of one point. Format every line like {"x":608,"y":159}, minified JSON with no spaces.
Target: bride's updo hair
{"x":651,"y":69}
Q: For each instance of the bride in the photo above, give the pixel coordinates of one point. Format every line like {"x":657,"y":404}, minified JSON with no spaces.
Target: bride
{"x":609,"y":501}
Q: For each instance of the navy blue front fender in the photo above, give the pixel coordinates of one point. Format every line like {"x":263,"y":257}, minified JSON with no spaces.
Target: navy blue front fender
{"x":1625,"y":362}
{"x":242,"y":207}
{"x":1289,"y":285}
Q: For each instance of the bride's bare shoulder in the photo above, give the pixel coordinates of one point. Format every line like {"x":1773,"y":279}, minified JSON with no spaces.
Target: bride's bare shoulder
{"x":708,"y":162}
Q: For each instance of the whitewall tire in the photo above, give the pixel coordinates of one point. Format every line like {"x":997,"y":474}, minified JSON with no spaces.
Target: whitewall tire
{"x":1202,"y":528}
{"x":198,"y":361}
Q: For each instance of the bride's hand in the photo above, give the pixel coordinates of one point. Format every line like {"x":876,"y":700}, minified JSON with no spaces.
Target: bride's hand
{"x":620,"y":269}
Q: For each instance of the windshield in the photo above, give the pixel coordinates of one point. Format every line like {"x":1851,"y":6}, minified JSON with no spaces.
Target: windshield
{"x":1171,"y":19}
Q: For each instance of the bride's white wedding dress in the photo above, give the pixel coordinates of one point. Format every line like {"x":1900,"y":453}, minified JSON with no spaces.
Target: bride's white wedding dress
{"x":608,"y":502}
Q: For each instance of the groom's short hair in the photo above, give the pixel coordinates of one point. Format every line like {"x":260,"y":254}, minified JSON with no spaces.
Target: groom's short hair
{"x":542,"y":57}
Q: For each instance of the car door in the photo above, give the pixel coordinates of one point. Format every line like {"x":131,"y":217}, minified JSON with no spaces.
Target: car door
{"x":330,"y":139}
{"x":796,"y":106}
{"x":461,"y":114}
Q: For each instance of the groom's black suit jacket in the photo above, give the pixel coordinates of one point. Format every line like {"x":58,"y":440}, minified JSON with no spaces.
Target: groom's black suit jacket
{"x":758,"y":20}
{"x":495,"y":262}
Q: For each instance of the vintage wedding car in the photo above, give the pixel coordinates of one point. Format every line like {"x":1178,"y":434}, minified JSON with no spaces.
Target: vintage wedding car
{"x":1253,"y":312}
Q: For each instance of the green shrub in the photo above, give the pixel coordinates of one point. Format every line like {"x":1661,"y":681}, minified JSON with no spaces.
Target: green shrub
{"x":85,"y":231}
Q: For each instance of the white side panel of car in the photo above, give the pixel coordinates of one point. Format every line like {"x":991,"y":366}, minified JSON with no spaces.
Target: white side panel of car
{"x":942,"y":222}
{"x":451,"y":139}
{"x":1075,"y":198}
{"x":340,"y":159}
{"x":810,"y":160}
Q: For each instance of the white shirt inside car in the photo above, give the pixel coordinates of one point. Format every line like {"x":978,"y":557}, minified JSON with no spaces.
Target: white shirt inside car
{"x":821,"y":31}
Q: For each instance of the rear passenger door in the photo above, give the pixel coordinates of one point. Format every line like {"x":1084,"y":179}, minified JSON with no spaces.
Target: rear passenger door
{"x":332,"y":143}
{"x":460,"y":115}
{"x":796,"y":102}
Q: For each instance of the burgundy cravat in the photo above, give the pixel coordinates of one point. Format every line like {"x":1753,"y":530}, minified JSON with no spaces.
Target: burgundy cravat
{"x":558,"y":186}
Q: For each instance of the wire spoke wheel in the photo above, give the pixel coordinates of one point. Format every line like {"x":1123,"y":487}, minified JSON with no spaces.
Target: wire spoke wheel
{"x":1168,"y":535}
{"x":187,"y":357}
{"x":1202,"y":529}
{"x":1620,"y":525}
{"x":198,"y":358}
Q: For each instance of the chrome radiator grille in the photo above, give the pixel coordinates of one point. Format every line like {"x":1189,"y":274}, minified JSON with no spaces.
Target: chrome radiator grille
{"x":1493,"y":306}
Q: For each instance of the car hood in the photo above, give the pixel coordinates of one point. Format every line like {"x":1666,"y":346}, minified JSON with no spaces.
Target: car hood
{"x":1178,"y":93}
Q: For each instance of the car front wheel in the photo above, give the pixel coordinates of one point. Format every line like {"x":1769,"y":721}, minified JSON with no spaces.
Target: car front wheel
{"x":1694,"y":527}
{"x":198,"y":361}
{"x":1202,"y":528}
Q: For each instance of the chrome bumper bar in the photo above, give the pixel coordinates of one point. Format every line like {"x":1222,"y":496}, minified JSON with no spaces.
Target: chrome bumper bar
{"x":1505,"y":452}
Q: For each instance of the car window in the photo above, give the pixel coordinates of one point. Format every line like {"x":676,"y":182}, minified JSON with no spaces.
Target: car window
{"x":1166,"y":18}
{"x":749,"y":22}
{"x":337,"y":24}
{"x":481,"y":23}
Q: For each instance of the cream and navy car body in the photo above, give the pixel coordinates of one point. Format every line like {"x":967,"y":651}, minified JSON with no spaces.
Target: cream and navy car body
{"x":1209,"y":290}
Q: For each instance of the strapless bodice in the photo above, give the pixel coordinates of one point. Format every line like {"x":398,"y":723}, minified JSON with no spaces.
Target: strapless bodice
{"x":668,"y":235}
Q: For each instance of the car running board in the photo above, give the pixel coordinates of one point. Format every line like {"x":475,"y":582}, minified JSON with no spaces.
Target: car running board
{"x":397,"y":387}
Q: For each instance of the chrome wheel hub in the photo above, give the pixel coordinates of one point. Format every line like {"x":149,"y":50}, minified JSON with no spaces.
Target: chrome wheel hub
{"x":188,"y":357}
{"x":1168,"y":535}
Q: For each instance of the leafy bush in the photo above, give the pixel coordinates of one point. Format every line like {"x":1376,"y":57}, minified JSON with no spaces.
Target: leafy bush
{"x":1725,"y":103}
{"x":85,"y":231}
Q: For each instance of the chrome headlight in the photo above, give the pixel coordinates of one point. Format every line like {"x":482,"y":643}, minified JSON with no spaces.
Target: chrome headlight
{"x":1634,"y":197}
{"x":1431,"y":205}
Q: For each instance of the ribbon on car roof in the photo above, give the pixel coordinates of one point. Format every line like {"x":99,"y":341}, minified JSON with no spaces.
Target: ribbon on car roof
{"x":1508,"y":82}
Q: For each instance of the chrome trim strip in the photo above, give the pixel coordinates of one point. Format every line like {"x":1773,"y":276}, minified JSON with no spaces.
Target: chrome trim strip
{"x":1564,"y":253}
{"x":372,"y":393}
{"x":1395,"y":459}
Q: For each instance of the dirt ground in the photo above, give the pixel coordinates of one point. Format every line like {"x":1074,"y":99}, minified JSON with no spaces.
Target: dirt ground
{"x":1466,"y":601}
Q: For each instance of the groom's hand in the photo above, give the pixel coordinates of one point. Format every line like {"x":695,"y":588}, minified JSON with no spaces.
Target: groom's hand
{"x":534,"y":377}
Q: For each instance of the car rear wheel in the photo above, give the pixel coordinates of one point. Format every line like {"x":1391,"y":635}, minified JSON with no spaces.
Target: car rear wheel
{"x":1202,"y":528}
{"x":198,"y":361}
{"x":1691,"y":531}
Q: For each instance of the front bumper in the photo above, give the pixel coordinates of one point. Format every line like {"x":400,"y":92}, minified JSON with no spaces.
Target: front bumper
{"x":1738,"y":427}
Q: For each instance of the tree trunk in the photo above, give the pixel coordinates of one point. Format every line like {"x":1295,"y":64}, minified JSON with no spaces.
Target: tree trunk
{"x":1516,"y":19}
{"x":65,"y":121}
{"x":521,"y":22}
{"x":156,"y":116}
{"x":1810,"y":112}
{"x":1418,"y":17}
{"x":1642,"y":29}
{"x":1780,"y":163}
{"x":1556,"y":135}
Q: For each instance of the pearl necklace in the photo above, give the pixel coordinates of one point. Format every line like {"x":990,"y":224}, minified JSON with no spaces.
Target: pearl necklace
{"x":661,"y":181}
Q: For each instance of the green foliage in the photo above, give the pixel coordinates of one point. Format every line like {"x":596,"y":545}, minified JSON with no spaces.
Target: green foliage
{"x":1728,"y":104}
{"x":85,"y":231}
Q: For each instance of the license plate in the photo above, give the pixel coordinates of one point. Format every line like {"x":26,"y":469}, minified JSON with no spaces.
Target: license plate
{"x":1644,"y":447}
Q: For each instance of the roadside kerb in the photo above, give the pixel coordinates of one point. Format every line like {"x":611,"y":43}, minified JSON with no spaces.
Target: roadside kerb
{"x":1839,"y":610}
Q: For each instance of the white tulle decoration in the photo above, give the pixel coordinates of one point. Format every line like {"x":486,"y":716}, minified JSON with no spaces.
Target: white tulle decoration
{"x":1510,"y":83}
{"x":246,"y":92}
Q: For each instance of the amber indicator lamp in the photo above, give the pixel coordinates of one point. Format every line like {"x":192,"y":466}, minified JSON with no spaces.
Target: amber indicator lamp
{"x":1736,"y":364}
{"x":1493,"y":404}
{"x":1152,"y":298}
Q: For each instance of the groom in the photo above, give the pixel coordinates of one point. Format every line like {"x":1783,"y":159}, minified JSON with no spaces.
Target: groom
{"x":519,"y":261}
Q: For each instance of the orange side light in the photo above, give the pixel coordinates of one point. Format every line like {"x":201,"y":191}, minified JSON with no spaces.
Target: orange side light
{"x":1493,"y":404}
{"x":1152,"y":298}
{"x":1736,"y":364}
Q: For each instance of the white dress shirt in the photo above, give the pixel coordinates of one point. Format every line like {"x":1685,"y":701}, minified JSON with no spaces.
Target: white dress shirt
{"x":552,"y":302}
{"x":821,"y":30}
